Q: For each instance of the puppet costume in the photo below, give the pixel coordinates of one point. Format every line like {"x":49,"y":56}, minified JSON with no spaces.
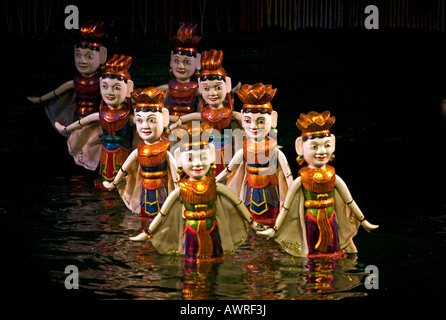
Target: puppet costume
{"x":202,"y":218}
{"x":260,"y":180}
{"x":154,"y":177}
{"x":86,"y":98}
{"x":116,"y":139}
{"x":149,"y":179}
{"x":106,"y":142}
{"x":218,"y":118}
{"x":261,"y":194}
{"x":211,"y":225}
{"x":201,"y":236}
{"x":182,"y":98}
{"x":318,"y":222}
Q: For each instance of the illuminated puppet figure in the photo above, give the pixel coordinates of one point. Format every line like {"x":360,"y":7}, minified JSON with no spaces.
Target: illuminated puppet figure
{"x":319,"y":215}
{"x":182,"y":89}
{"x":105,"y":137}
{"x":81,"y":96}
{"x":217,"y":108}
{"x":263,"y":174}
{"x":201,"y":218}
{"x":150,"y":170}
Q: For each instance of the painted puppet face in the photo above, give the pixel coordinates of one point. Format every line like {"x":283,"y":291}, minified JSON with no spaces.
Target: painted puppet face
{"x":114,"y":91}
{"x":317,"y":152}
{"x":149,"y":125}
{"x":87,"y":61}
{"x":183,"y":67}
{"x":213,"y":92}
{"x":257,"y":125}
{"x":196,"y":163}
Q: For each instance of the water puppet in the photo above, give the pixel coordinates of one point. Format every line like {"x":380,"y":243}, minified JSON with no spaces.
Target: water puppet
{"x":262,"y":172}
{"x":319,"y":215}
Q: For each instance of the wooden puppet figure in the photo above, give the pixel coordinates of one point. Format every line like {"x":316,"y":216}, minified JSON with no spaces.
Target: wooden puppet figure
{"x":200,"y":219}
{"x":105,"y":137}
{"x":217,"y":108}
{"x":81,"y":96}
{"x":319,"y":216}
{"x":263,"y":174}
{"x":150,"y":170}
{"x":184,"y":64}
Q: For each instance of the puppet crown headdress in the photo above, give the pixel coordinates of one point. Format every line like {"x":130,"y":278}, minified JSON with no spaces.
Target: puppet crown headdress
{"x":211,"y":65}
{"x":118,"y":65}
{"x":192,"y":136}
{"x":149,"y":99}
{"x":257,"y":97}
{"x":186,"y":40}
{"x":315,"y":125}
{"x":91,"y":35}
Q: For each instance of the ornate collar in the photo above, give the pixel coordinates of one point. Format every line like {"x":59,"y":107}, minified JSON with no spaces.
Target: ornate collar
{"x":318,"y":180}
{"x":110,"y":114}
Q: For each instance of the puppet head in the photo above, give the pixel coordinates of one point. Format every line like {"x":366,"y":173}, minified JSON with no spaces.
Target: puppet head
{"x":195,"y":155}
{"x":89,"y":52}
{"x":214,"y":84}
{"x":258,"y":116}
{"x":184,"y":58}
{"x":316,"y":145}
{"x":116,"y":83}
{"x":150,"y":115}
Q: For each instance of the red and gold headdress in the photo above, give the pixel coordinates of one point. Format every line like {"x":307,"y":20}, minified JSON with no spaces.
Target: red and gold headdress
{"x":149,"y":99}
{"x":186,"y":40}
{"x":315,"y":125}
{"x":91,"y":35}
{"x":192,"y":136}
{"x":117,"y":66}
{"x":257,"y":97}
{"x":211,"y":65}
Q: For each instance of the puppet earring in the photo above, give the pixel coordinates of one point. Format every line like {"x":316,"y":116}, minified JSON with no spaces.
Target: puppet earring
{"x":300,"y":159}
{"x":332,"y":157}
{"x":213,"y":167}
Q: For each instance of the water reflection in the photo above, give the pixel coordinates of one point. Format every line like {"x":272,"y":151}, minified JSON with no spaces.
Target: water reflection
{"x":90,"y":229}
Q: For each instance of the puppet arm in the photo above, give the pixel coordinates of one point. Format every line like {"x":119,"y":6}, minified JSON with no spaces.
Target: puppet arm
{"x":237,"y":116}
{"x":285,"y":167}
{"x":348,"y":199}
{"x":173,"y":169}
{"x":236,"y":88}
{"x":233,"y":165}
{"x":164,"y":87}
{"x":94,"y":117}
{"x":167,"y":206}
{"x":290,"y":196}
{"x":178,"y":120}
{"x":122,"y":171}
{"x":55,"y":93}
{"x":239,"y":205}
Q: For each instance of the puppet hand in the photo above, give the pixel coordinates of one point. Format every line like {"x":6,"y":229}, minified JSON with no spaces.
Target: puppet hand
{"x":140,"y":237}
{"x":108,"y":185}
{"x":236,"y":88}
{"x":34,"y":99}
{"x":257,"y":226}
{"x":368,"y":226}
{"x":268,"y":233}
{"x":60,"y":128}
